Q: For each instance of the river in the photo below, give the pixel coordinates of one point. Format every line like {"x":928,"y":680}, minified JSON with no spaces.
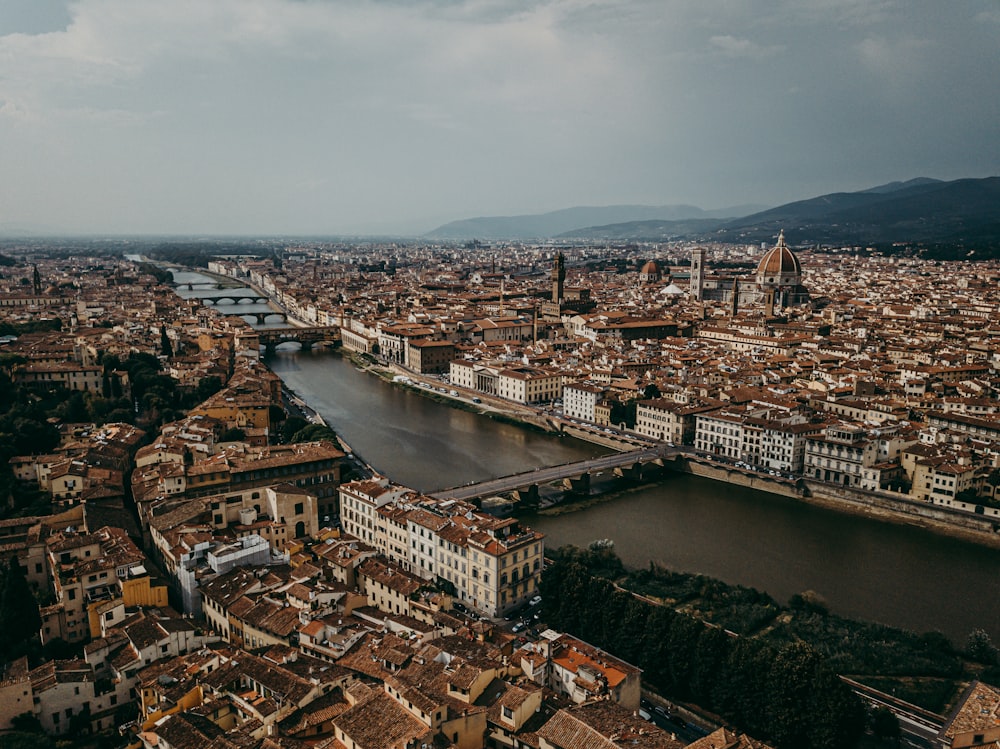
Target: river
{"x":895,"y":574}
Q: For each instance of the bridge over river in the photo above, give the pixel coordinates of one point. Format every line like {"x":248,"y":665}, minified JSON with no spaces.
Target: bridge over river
{"x":306,"y":336}
{"x":234,"y":298}
{"x":576,"y":476}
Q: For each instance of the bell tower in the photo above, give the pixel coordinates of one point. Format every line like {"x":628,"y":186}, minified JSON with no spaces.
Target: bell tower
{"x":558,"y":277}
{"x":697,"y":287}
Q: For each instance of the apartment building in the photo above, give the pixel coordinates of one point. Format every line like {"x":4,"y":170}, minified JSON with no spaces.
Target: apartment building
{"x":580,"y":400}
{"x":529,"y":384}
{"x":670,"y":420}
{"x":86,"y":570}
{"x":840,"y":455}
{"x":489,"y":563}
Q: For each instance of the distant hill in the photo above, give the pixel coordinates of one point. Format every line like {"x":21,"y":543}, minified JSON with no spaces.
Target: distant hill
{"x":656,"y":231}
{"x":555,"y":223}
{"x":893,"y":186}
{"x":919,"y":210}
{"x":916,"y":211}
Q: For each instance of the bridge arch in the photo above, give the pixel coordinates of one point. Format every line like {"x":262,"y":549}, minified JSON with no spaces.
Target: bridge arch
{"x":307,"y":337}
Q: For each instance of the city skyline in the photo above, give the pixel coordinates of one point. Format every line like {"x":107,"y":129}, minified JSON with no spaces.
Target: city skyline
{"x":283,"y":116}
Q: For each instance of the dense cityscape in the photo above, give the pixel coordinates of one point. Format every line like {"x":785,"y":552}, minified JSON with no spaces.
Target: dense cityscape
{"x":193,"y":556}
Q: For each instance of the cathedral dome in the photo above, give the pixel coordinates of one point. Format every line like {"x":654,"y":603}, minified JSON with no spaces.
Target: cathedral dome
{"x":650,"y":272}
{"x":779,"y":267}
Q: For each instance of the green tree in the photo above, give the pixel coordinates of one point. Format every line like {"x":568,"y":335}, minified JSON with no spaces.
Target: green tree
{"x":73,"y":409}
{"x":629,"y":635}
{"x":683,"y":640}
{"x":980,"y":648}
{"x":233,"y":435}
{"x":116,"y":386}
{"x":207,"y":387}
{"x":885,"y":725}
{"x":789,"y":695}
{"x":656,"y":646}
{"x":710,"y":654}
{"x":290,"y":426}
{"x":836,"y":716}
{"x":314,"y":433}
{"x":9,"y":361}
{"x":19,"y":617}
{"x":18,"y":739}
{"x":166,"y":348}
{"x":738,"y":693}
{"x":567,"y":588}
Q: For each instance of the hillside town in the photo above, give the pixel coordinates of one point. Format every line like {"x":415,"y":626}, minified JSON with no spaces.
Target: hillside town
{"x":206,"y":577}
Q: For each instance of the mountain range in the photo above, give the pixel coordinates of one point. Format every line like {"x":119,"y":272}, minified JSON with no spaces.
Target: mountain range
{"x":565,"y":221}
{"x":919,"y":210}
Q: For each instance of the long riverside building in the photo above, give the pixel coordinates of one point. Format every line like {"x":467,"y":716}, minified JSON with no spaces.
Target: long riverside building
{"x":492,"y":563}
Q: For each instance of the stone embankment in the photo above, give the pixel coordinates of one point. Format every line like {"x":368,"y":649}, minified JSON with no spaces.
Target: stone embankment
{"x":880,"y":505}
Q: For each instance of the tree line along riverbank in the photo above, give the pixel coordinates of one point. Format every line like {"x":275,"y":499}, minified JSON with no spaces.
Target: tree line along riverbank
{"x":741,"y":665}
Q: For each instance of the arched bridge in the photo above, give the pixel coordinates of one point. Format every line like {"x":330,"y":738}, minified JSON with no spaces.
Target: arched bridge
{"x":307,"y":337}
{"x":234,"y":298}
{"x":575,"y":475}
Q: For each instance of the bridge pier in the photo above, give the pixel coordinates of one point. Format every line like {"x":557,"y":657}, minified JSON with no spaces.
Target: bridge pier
{"x":632,"y":472}
{"x":580,"y":485}
{"x":526,"y":496}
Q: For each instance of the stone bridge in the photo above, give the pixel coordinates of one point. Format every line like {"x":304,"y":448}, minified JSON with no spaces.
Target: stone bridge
{"x":235,"y":298}
{"x":307,"y":337}
{"x":575,"y":477}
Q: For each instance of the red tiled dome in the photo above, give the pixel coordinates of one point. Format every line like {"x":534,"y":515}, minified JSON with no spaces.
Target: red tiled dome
{"x":779,"y":261}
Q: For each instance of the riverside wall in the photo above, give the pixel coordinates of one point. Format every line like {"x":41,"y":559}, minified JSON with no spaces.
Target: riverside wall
{"x":879,"y":505}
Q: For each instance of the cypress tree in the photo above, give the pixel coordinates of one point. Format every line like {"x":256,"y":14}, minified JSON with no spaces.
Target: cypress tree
{"x":19,"y":617}
{"x":165,"y":346}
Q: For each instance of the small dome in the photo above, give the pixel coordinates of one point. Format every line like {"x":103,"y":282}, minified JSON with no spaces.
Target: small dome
{"x":779,"y":261}
{"x":650,"y":273}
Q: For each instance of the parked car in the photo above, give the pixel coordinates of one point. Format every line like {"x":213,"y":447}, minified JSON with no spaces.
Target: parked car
{"x":535,"y":601}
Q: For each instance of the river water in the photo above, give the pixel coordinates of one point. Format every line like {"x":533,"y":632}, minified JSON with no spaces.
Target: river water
{"x":895,"y":574}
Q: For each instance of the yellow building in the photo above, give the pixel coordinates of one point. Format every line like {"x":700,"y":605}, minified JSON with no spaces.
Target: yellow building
{"x":137,"y":590}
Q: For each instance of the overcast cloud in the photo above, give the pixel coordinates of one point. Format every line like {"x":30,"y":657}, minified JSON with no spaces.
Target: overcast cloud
{"x":364,"y":116}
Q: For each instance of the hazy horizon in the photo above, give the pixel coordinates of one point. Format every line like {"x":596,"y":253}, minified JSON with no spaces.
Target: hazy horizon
{"x":388,"y":117}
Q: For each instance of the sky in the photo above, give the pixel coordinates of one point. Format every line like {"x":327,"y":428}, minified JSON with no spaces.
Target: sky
{"x":394,"y":116}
